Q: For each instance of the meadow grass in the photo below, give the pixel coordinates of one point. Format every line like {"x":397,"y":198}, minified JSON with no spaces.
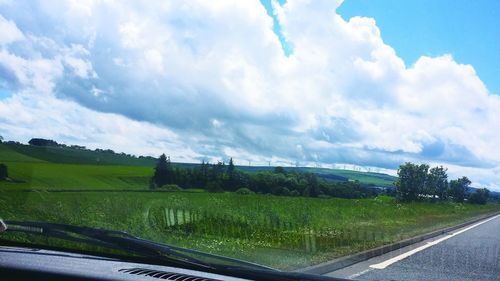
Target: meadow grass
{"x":364,"y":177}
{"x":282,"y":232}
{"x":7,"y":154}
{"x":244,"y":229}
{"x":43,"y":175}
{"x":71,"y":155}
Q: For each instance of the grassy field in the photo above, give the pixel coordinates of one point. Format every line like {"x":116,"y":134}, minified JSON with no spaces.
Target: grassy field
{"x":33,"y":175}
{"x":75,"y":156}
{"x":364,"y":177}
{"x":28,"y":172}
{"x":9,"y":155}
{"x":282,"y":232}
{"x":65,"y":155}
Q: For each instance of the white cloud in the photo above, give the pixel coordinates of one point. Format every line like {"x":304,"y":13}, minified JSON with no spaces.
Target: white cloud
{"x":25,"y":115}
{"x":213,"y":76}
{"x":10,"y":33}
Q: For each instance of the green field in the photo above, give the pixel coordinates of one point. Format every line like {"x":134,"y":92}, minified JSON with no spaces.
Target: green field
{"x":282,"y":232}
{"x":76,"y":156}
{"x":76,"y":176}
{"x":278,"y":231}
{"x":28,"y":172}
{"x":7,"y":154}
{"x":125,"y":168}
{"x":364,"y":177}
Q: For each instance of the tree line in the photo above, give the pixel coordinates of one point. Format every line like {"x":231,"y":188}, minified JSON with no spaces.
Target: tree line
{"x":220,"y":177}
{"x":51,"y":143}
{"x":418,"y":182}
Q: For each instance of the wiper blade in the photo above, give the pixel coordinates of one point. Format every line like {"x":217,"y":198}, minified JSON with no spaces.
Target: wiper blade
{"x":117,"y":240}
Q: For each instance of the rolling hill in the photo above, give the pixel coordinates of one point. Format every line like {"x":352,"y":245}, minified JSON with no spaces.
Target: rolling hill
{"x":75,"y":167}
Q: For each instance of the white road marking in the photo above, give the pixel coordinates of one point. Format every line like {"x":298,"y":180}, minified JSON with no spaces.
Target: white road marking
{"x":356,"y":275}
{"x":388,"y":262}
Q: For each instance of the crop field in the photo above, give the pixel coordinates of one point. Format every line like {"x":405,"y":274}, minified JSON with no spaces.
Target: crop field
{"x":44,"y":176}
{"x":75,"y":156}
{"x":9,"y":155}
{"x":297,"y":231}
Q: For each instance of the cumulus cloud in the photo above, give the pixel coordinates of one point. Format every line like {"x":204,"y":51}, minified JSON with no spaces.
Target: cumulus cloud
{"x":210,"y":79}
{"x":10,"y":32}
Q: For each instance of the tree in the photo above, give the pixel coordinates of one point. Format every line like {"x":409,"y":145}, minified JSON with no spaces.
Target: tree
{"x":232,"y":176}
{"x":411,"y":182}
{"x":1,"y":139}
{"x":214,"y":186}
{"x":312,"y":181}
{"x":480,"y":196}
{"x":203,"y":173}
{"x":42,"y":142}
{"x":279,"y":170}
{"x":3,"y":172}
{"x":230,"y":167}
{"x":163,"y":171}
{"x":459,"y":188}
{"x":437,"y":183}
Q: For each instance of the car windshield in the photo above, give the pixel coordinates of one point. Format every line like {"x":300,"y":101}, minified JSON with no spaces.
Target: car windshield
{"x":353,"y":139}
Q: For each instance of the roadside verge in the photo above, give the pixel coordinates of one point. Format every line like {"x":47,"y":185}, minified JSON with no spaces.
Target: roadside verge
{"x":346,"y":261}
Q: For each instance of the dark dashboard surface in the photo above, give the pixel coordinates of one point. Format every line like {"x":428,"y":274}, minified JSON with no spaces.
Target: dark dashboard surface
{"x":25,"y":264}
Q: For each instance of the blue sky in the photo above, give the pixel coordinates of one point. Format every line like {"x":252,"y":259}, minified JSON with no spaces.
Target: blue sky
{"x":268,"y":5}
{"x":299,"y":81}
{"x":467,"y":29}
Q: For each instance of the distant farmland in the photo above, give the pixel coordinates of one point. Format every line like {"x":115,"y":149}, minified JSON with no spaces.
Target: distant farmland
{"x":65,"y":167}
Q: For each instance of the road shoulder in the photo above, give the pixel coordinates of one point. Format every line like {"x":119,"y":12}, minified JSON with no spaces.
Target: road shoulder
{"x":391,"y":250}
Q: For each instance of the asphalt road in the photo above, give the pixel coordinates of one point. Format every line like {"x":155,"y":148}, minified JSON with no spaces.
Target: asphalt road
{"x":470,"y":253}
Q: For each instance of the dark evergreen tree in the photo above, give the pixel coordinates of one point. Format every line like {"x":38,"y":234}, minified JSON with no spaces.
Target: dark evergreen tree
{"x":232,"y":177}
{"x":204,"y":172}
{"x":230,"y":167}
{"x":279,"y":170}
{"x":163,"y":172}
{"x":3,"y":172}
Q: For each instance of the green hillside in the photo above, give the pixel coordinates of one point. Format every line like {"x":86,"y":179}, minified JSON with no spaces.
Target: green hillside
{"x":76,"y":168}
{"x":370,"y":178}
{"x":28,"y":172}
{"x":7,"y":154}
{"x":364,"y":177}
{"x":79,"y":156}
{"x":32,"y":175}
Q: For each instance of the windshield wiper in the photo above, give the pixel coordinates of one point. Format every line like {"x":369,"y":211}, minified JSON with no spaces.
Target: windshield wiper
{"x":123,"y":241}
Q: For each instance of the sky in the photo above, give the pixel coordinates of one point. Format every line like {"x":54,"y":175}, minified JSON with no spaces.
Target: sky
{"x":469,"y":30}
{"x":318,"y":83}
